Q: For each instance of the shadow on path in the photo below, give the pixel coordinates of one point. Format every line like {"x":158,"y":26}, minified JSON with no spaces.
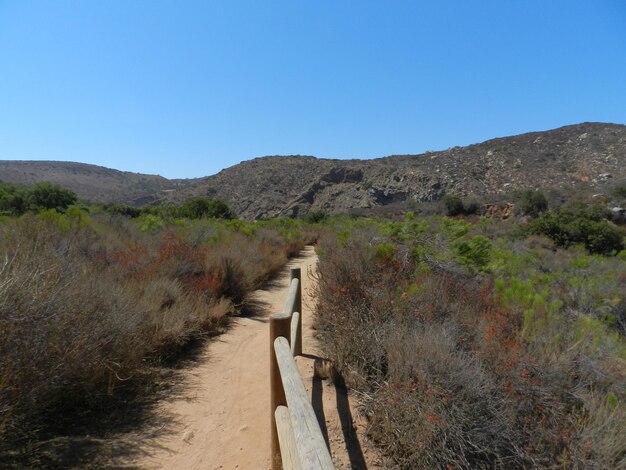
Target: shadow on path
{"x":318,"y":407}
{"x":348,"y":428}
{"x":353,"y":445}
{"x":254,"y":309}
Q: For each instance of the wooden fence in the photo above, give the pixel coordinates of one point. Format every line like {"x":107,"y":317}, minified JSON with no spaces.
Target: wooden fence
{"x":296,"y":438}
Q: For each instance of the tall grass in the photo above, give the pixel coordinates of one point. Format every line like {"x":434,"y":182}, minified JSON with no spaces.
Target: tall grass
{"x":510,"y":359}
{"x":90,"y":306}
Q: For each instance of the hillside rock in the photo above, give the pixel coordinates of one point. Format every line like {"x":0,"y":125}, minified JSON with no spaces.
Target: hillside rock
{"x":591,"y":154}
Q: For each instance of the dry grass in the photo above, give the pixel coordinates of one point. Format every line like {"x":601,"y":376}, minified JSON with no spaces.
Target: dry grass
{"x":89,"y":311}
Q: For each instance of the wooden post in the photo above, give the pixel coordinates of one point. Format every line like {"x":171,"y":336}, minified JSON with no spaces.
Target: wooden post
{"x":280,"y":325}
{"x":297,"y":341}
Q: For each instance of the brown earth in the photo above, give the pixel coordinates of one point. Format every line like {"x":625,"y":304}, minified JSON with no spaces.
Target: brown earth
{"x":222,"y":419}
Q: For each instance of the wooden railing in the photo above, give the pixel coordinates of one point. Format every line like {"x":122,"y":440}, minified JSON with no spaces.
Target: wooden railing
{"x":296,"y":438}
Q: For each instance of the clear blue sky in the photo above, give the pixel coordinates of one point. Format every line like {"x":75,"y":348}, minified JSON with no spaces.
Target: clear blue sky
{"x":185,"y":89}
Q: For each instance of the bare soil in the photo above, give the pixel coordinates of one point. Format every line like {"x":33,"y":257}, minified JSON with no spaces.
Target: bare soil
{"x":221,"y":420}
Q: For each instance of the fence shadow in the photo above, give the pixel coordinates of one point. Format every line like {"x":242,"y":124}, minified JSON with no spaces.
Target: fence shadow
{"x":353,"y":445}
{"x":350,"y":436}
{"x":318,"y":407}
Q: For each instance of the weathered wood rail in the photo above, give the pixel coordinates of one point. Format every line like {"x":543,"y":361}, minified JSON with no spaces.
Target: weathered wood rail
{"x":296,"y":438}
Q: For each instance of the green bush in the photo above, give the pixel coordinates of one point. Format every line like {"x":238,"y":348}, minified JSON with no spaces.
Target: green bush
{"x":17,"y":200}
{"x":386,"y":250}
{"x":12,"y":200}
{"x":599,"y":237}
{"x":202,"y":207}
{"x":315,"y":217}
{"x":151,"y":223}
{"x":573,"y":225}
{"x":533,"y":203}
{"x":471,"y":207}
{"x":475,"y":252}
{"x":453,"y":204}
{"x":49,"y":196}
{"x":165,"y":211}
{"x":194,"y":209}
{"x":123,"y":209}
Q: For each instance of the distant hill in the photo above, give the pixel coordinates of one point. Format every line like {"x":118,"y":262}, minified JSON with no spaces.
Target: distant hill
{"x":91,"y":182}
{"x":592,"y":154}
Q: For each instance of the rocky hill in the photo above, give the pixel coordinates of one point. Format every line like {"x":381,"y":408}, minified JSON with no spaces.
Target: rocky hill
{"x":91,"y":182}
{"x":592,"y":154}
{"x":589,"y":154}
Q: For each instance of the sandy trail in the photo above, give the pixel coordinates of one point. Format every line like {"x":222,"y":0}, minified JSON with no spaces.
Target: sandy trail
{"x":222,"y":419}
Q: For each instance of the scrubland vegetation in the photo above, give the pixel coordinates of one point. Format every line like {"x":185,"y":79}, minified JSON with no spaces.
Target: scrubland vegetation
{"x":486,"y":344}
{"x":471,"y":342}
{"x":93,"y":303}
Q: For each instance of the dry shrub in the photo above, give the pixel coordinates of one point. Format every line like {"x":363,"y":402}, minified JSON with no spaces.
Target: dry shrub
{"x":429,"y":401}
{"x":258,"y":259}
{"x":70,"y":333}
{"x":440,"y":406}
{"x":270,"y":251}
{"x":89,"y":312}
{"x":450,"y":377}
{"x":172,"y":316}
{"x":353,"y":308}
{"x":599,"y":436}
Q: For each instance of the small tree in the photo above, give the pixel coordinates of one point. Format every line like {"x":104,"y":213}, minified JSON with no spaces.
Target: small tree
{"x":475,"y":252}
{"x":151,"y":223}
{"x":200,"y":207}
{"x":571,"y":225}
{"x":196,"y":208}
{"x":12,"y":199}
{"x":218,"y":209}
{"x":315,"y":217}
{"x":123,"y":209}
{"x":454,"y":205}
{"x":49,"y":196}
{"x":533,"y":203}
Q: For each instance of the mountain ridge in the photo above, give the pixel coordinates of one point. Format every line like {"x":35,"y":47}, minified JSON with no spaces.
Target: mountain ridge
{"x":566,"y":156}
{"x":93,"y":182}
{"x":591,"y":154}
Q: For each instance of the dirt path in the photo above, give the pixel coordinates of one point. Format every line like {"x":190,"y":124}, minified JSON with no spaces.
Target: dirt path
{"x":221,"y":421}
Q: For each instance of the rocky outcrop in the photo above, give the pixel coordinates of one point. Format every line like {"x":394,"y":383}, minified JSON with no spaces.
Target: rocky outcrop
{"x":498,"y":211}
